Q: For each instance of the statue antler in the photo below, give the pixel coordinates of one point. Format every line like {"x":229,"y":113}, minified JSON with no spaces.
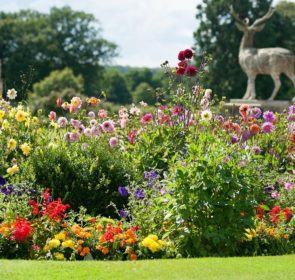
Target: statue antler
{"x":263,"y":19}
{"x":244,"y":22}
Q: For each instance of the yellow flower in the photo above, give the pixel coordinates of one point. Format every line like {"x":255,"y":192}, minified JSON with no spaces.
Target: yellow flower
{"x":12,"y":170}
{"x":35,"y":120}
{"x":68,"y":244}
{"x":60,"y":236}
{"x":11,"y":145}
{"x":12,"y":113}
{"x":20,"y":116}
{"x":5,"y":124}
{"x":250,"y":234}
{"x":153,"y":243}
{"x":46,"y":248}
{"x":2,"y":113}
{"x":26,"y":149}
{"x":53,"y":243}
{"x":59,"y":256}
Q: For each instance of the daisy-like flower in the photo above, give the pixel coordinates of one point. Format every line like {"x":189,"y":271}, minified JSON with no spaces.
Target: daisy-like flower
{"x":62,"y":122}
{"x":11,"y":145}
{"x":11,"y":94}
{"x":267,"y":127}
{"x":76,"y":102}
{"x":20,"y":116}
{"x":26,"y":149}
{"x":206,"y":115}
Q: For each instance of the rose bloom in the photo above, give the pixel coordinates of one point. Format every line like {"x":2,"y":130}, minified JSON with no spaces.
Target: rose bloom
{"x":76,"y":102}
{"x":113,"y":141}
{"x":52,"y":116}
{"x":108,"y":126}
{"x":147,"y":118}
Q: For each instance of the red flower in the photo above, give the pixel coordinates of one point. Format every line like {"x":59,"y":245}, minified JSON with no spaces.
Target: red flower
{"x":259,"y":212}
{"x":275,"y":212}
{"x":190,"y":71}
{"x":181,"y":55}
{"x":22,"y":229}
{"x":180,"y":70}
{"x":55,"y":210}
{"x":177,"y":110}
{"x":188,"y":53}
{"x":46,"y":195}
{"x":288,"y":214}
{"x":35,"y":207}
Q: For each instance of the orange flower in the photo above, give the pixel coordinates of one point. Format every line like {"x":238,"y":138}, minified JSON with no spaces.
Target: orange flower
{"x":254,"y":128}
{"x":85,"y":251}
{"x":99,"y":227}
{"x":133,"y":257}
{"x":286,"y":236}
{"x":105,"y":250}
{"x":93,"y":101}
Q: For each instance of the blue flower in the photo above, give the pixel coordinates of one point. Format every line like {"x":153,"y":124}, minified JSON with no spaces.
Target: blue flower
{"x":123,"y":191}
{"x":139,"y":194}
{"x":2,"y":181}
{"x":122,"y":213}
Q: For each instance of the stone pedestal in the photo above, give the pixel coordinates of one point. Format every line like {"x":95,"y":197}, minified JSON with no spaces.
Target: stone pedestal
{"x":275,"y":105}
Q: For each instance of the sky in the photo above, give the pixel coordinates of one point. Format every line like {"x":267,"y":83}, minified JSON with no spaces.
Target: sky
{"x":148,"y":32}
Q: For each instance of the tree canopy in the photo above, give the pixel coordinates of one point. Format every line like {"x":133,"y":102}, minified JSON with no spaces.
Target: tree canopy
{"x":32,"y":44}
{"x":218,"y":36}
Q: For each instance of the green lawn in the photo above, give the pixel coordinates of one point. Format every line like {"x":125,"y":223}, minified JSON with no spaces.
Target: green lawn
{"x":280,"y":267}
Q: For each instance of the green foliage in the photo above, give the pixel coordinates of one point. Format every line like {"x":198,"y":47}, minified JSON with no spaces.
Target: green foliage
{"x":144,"y":92}
{"x":115,"y":87}
{"x":218,"y":36}
{"x":32,"y":44}
{"x":88,"y":177}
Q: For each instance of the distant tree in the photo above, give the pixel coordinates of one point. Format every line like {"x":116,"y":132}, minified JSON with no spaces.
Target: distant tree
{"x":136,"y":76}
{"x":59,"y":80}
{"x":115,"y":87}
{"x":218,"y":36}
{"x":32,"y":44}
{"x":144,"y":92}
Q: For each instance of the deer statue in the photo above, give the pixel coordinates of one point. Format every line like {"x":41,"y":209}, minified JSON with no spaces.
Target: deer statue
{"x":268,"y":61}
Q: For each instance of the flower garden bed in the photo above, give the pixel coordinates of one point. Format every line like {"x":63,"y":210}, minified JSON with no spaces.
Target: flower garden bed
{"x":177,"y":180}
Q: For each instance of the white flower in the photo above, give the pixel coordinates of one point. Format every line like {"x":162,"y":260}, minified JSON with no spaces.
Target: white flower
{"x":11,"y":94}
{"x":206,"y":115}
{"x":143,"y":104}
{"x":208,"y":93}
{"x":134,"y":110}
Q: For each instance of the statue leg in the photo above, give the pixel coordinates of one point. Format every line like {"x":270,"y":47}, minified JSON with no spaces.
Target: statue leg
{"x":277,"y":82}
{"x":252,"y":88}
{"x":249,"y":88}
{"x":291,"y":76}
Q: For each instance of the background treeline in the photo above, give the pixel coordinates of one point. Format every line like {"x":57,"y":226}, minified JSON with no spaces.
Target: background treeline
{"x":62,"y":53}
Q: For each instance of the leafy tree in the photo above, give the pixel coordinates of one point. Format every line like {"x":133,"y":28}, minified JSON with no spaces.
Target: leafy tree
{"x":136,"y":76}
{"x":32,"y":44}
{"x":218,"y":37}
{"x":115,"y":87}
{"x":144,"y":92}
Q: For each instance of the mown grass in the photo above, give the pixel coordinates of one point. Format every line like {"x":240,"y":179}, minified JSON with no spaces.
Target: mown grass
{"x":278,"y":267}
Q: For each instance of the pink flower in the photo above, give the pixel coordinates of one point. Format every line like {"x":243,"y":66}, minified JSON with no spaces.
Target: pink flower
{"x":102,"y":114}
{"x":113,"y":141}
{"x":108,"y":126}
{"x":73,"y":109}
{"x":52,"y":116}
{"x":87,"y":132}
{"x":75,"y":123}
{"x":62,"y":122}
{"x":58,"y":102}
{"x":147,"y":118}
{"x":267,"y":127}
{"x":131,"y":136}
{"x":76,"y":102}
{"x":288,"y":186}
{"x":91,"y":115}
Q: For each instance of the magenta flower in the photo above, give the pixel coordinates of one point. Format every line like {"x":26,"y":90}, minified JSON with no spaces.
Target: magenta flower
{"x":267,"y":127}
{"x":255,"y":112}
{"x":269,"y":116}
{"x":288,"y":186}
{"x":113,"y":141}
{"x":147,"y":118}
{"x":75,"y":123}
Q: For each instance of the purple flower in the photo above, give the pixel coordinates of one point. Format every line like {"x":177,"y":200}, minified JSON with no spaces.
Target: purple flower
{"x":123,"y":191}
{"x":122,"y":213}
{"x":7,"y":190}
{"x":219,"y":118}
{"x":267,"y":127}
{"x":150,"y":175}
{"x":91,"y":115}
{"x":256,"y":150}
{"x":269,"y":116}
{"x":75,"y":123}
{"x":245,"y":135}
{"x":291,"y":117}
{"x":255,"y":112}
{"x":162,"y":192}
{"x":269,"y":189}
{"x":292,"y":109}
{"x":139,"y":194}
{"x":67,"y":136}
{"x":74,"y":136}
{"x":2,"y":181}
{"x":234,"y":139}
